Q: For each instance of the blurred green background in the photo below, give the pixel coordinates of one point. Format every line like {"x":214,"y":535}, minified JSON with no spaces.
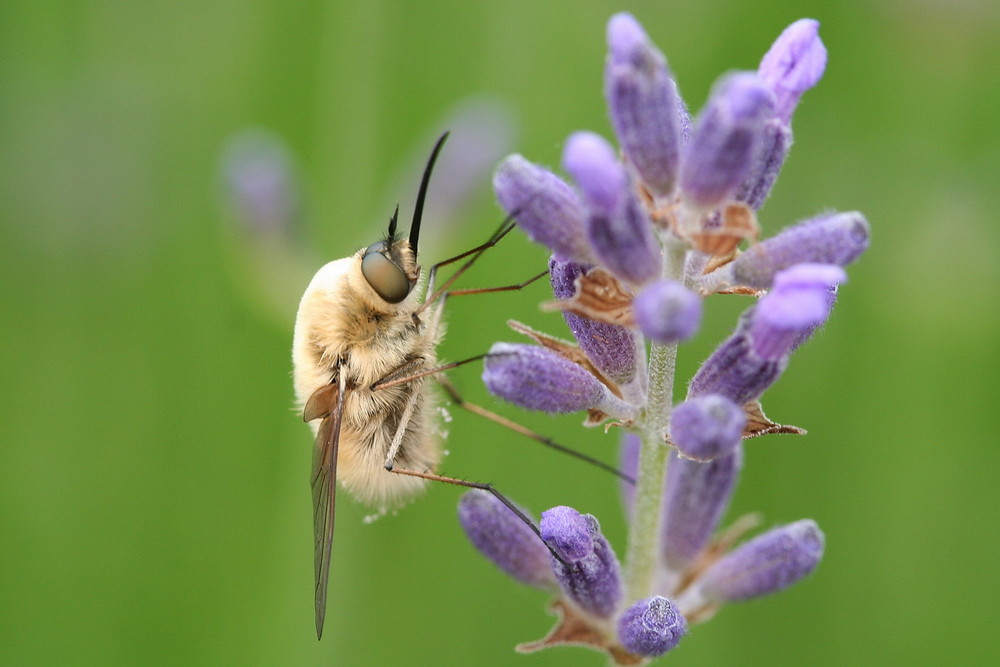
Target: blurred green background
{"x":154,"y":498}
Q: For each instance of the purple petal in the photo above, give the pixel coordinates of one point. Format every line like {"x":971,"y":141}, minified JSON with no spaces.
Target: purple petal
{"x":537,"y":378}
{"x":548,"y":209}
{"x":667,"y":312}
{"x":735,"y":369}
{"x":707,"y":427}
{"x":794,"y":64}
{"x":501,"y":536}
{"x":592,"y":163}
{"x":651,"y":627}
{"x":766,"y":564}
{"x":592,"y":579}
{"x":643,"y":103}
{"x":612,"y":348}
{"x":726,"y":140}
{"x":833,"y":238}
{"x":775,"y":144}
{"x":696,"y":497}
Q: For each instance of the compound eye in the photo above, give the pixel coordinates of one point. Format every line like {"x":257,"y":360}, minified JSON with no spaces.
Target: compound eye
{"x":387,"y":279}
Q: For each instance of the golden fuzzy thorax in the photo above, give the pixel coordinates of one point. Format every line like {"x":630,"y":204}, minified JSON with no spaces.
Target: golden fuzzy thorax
{"x":341,"y":320}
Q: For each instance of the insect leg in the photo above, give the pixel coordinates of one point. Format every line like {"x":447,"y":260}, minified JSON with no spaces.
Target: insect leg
{"x":404,"y":420}
{"x":489,"y":488}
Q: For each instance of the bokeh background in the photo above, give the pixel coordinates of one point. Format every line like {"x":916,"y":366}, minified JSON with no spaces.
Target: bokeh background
{"x":154,"y":497}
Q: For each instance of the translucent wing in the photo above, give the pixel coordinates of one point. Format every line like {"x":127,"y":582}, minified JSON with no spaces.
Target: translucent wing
{"x":327,"y":402}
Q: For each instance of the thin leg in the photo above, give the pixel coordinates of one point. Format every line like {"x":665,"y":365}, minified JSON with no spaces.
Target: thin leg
{"x":486,"y":290}
{"x":404,"y":421}
{"x":483,"y":487}
{"x":518,"y":428}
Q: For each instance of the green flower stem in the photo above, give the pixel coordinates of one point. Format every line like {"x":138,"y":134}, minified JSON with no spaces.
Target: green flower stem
{"x":647,"y":509}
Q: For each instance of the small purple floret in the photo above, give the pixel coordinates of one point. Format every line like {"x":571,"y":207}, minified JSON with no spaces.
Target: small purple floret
{"x":612,"y":348}
{"x":667,"y":312}
{"x":736,"y":370}
{"x":643,"y":103}
{"x":549,"y":210}
{"x":766,"y":564}
{"x":501,"y":536}
{"x":794,"y":64}
{"x":592,"y":579}
{"x":593,"y":164}
{"x":707,"y":427}
{"x":651,"y":627}
{"x":726,"y":140}
{"x":696,"y":497}
{"x":833,"y":238}
{"x":798,"y":303}
{"x":537,"y":378}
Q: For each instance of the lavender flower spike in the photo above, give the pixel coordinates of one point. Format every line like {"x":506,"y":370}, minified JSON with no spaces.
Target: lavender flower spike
{"x":537,"y":378}
{"x":546,"y":208}
{"x":592,"y":579}
{"x":501,"y":536}
{"x":794,"y":64}
{"x":726,"y":140}
{"x":707,"y":427}
{"x":766,"y":564}
{"x":651,"y":627}
{"x":799,"y":302}
{"x":667,"y":312}
{"x":642,"y":101}
{"x":696,"y":497}
{"x":618,"y":230}
{"x":832,"y":238}
{"x":612,"y":348}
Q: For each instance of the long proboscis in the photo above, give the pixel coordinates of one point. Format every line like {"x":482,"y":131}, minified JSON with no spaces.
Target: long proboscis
{"x":418,"y":209}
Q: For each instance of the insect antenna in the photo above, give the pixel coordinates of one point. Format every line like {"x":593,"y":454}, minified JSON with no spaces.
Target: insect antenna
{"x":418,"y":209}
{"x":392,"y":225}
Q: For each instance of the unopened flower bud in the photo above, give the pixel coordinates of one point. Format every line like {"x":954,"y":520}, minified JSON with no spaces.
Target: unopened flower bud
{"x":799,"y":302}
{"x":707,"y":427}
{"x":696,"y":497}
{"x":501,"y":536}
{"x":592,"y":579}
{"x":794,"y":64}
{"x":537,"y":378}
{"x":834,"y":238}
{"x":651,"y":627}
{"x":766,"y":564}
{"x":726,"y":140}
{"x":618,"y":230}
{"x":548,"y":209}
{"x":611,"y":348}
{"x":667,"y":312}
{"x":643,"y":103}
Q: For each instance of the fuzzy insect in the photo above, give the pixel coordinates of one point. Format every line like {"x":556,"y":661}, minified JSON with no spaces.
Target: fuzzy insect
{"x":360,"y":326}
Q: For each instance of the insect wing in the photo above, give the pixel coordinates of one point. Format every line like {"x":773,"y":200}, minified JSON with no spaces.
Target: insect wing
{"x":324,"y":484}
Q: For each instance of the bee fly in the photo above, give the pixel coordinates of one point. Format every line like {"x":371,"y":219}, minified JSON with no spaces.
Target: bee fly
{"x":362,"y":351}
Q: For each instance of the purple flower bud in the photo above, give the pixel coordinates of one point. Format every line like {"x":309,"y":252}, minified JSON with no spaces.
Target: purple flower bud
{"x":667,"y":312}
{"x":835,"y":238}
{"x":592,"y":579}
{"x":651,"y":627}
{"x":776,"y":142}
{"x":726,"y":140}
{"x":618,"y":229}
{"x":766,"y":564}
{"x":501,"y":536}
{"x":612,"y":348}
{"x":537,"y":378}
{"x":735,"y":369}
{"x":642,"y":100}
{"x":794,"y":64}
{"x":707,"y":427}
{"x":548,"y":209}
{"x":798,"y":303}
{"x":696,"y":497}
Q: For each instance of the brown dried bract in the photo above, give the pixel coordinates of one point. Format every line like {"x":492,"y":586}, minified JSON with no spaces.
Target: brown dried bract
{"x":574,"y":629}
{"x":736,"y":222}
{"x":599,"y":296}
{"x":758,"y":424}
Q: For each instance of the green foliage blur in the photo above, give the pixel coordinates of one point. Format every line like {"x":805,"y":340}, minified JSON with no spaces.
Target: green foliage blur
{"x":154,"y":496}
